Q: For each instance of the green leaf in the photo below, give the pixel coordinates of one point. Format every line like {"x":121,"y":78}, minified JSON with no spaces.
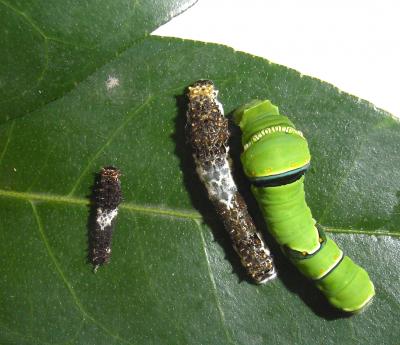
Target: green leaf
{"x":174,"y":278}
{"x":48,"y":48}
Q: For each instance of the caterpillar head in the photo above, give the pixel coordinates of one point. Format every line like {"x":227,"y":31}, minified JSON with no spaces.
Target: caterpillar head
{"x":202,"y":88}
{"x":206,"y":127}
{"x":108,"y":188}
{"x":273,"y":148}
{"x":110,"y":172}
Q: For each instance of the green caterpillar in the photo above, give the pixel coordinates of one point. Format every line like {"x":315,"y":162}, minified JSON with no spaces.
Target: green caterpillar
{"x":275,"y":157}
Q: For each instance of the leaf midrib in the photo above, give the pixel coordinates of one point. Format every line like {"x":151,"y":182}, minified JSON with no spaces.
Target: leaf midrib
{"x":163,"y":211}
{"x":54,"y":198}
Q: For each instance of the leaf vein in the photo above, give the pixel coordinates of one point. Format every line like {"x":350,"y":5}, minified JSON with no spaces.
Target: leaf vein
{"x":108,"y":142}
{"x":26,"y":18}
{"x":154,"y":210}
{"x":214,"y":286}
{"x":46,"y":62}
{"x":336,"y":230}
{"x":10,"y":131}
{"x":63,"y":277}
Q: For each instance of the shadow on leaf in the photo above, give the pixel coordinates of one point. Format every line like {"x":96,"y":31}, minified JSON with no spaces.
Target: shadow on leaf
{"x":91,"y":223}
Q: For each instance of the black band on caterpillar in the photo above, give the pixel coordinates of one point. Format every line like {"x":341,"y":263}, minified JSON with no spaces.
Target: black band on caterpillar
{"x":295,"y":254}
{"x":207,"y":131}
{"x":107,"y":197}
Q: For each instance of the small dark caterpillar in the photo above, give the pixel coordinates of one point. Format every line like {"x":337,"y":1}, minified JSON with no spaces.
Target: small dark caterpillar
{"x":107,"y":197}
{"x":275,"y":157}
{"x":207,"y":131}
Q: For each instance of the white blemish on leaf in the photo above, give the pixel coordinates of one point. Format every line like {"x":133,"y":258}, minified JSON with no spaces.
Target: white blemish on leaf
{"x":112,"y":82}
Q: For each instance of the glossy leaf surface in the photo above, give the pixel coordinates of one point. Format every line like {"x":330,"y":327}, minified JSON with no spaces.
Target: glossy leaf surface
{"x":173,"y":278}
{"x":48,"y":48}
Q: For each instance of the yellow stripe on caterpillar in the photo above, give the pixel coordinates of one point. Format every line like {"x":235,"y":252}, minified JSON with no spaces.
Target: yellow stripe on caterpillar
{"x":274,"y":129}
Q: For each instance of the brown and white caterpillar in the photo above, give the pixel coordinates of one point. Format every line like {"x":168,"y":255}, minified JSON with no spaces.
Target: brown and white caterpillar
{"x":107,"y":197}
{"x":207,"y":131}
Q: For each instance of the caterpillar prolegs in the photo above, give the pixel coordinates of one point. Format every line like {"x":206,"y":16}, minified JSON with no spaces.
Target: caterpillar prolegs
{"x":207,"y":131}
{"x":275,"y":158}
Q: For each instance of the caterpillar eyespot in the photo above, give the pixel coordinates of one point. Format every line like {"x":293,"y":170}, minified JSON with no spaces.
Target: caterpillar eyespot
{"x":275,"y":164}
{"x":107,"y":197}
{"x":207,"y":131}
